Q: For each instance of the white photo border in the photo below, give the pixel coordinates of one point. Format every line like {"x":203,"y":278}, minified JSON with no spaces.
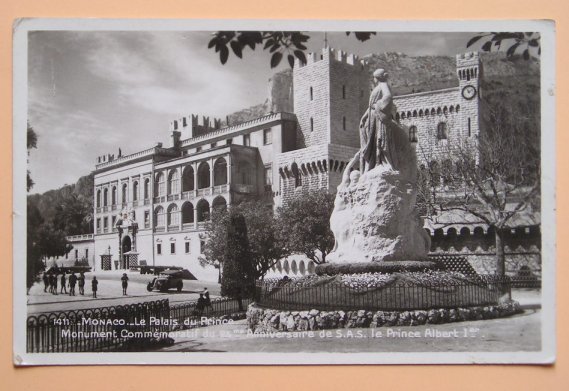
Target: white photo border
{"x":548,"y":193}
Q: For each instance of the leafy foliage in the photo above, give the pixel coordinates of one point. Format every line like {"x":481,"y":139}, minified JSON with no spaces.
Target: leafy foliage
{"x":500,"y":182}
{"x":304,"y":225}
{"x":43,"y":240}
{"x":238,"y":278}
{"x":69,"y":208}
{"x":265,"y":247}
{"x":281,"y":44}
{"x":54,"y":215}
{"x":32,"y":142}
{"x":513,"y":40}
{"x":74,"y":215}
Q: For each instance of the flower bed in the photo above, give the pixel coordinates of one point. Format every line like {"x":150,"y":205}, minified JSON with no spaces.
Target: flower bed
{"x":381,"y":291}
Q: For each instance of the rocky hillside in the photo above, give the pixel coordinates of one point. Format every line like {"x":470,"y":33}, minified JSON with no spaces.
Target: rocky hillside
{"x":411,"y":74}
{"x":426,"y":73}
{"x":69,"y":207}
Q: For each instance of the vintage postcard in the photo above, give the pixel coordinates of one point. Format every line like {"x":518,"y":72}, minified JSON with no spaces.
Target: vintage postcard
{"x":283,"y":192}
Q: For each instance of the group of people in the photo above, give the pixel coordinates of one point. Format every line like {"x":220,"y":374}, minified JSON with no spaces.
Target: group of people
{"x":50,"y":281}
{"x":204,"y":301}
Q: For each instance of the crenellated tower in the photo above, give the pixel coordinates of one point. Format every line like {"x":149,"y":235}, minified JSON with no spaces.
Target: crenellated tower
{"x":469,"y":72}
{"x":331,"y":92}
{"x":194,"y":125}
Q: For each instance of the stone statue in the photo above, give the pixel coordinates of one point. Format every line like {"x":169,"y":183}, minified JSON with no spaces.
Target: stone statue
{"x":375,"y":126}
{"x":124,"y":219}
{"x":341,"y":221}
{"x":375,"y":217}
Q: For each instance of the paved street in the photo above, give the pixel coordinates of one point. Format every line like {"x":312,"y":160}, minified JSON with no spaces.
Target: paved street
{"x":517,"y":333}
{"x":110,"y":293}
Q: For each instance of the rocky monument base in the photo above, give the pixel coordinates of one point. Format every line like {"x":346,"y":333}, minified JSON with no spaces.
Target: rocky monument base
{"x":266,"y":320}
{"x":375,"y":219}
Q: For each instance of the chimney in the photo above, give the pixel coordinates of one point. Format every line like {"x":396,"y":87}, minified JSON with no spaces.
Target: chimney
{"x":175,"y":139}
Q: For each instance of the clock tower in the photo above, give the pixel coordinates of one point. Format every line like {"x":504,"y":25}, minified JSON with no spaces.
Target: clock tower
{"x":469,"y":72}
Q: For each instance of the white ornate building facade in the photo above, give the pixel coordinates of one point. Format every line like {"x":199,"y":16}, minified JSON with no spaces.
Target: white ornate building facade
{"x":169,"y":191}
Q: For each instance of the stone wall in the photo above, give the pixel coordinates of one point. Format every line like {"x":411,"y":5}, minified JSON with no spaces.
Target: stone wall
{"x":270,"y":320}
{"x":349,"y":97}
{"x":329,"y":87}
{"x":312,"y":103}
{"x":309,"y":169}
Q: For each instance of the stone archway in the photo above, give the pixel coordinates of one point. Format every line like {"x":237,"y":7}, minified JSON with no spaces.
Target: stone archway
{"x":126,"y":246}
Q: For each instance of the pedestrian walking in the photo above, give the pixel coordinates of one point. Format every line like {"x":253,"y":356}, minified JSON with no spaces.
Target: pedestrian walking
{"x":45,"y":281}
{"x":51,"y":283}
{"x":81,"y":282}
{"x":63,"y":283}
{"x":200,"y":305}
{"x":124,"y":280}
{"x":207,"y":300}
{"x":72,"y":282}
{"x":54,"y":283}
{"x":94,"y":284}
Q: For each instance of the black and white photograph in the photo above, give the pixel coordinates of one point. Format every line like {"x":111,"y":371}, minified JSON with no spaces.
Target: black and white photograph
{"x":283,"y":192}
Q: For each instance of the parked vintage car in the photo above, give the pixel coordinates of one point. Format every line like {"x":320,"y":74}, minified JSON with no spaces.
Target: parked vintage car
{"x":166,"y":280}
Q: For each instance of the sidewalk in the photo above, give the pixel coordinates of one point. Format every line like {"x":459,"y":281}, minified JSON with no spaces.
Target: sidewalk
{"x":528,"y":298}
{"x":110,"y":292}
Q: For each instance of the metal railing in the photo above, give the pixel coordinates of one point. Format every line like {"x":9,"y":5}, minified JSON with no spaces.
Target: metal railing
{"x":391,"y":296}
{"x":97,"y":329}
{"x":531,"y":281}
{"x":110,"y":328}
{"x":190,"y":314}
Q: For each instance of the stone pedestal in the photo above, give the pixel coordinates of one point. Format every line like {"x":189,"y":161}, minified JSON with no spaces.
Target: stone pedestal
{"x":375,"y":219}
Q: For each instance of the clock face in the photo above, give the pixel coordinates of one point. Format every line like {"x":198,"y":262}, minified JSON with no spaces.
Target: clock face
{"x":469,"y":92}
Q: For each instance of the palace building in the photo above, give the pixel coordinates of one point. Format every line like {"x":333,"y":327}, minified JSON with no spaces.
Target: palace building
{"x":151,"y":206}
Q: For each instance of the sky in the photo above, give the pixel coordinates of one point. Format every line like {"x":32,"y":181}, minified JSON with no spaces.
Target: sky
{"x":93,"y":92}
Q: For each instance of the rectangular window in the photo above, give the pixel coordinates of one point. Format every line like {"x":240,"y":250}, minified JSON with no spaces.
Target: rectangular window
{"x":343,"y":92}
{"x":172,"y":248}
{"x":76,"y":253}
{"x":247,"y":140}
{"x":146,"y":219}
{"x":114,"y":220}
{"x":158,"y":248}
{"x":311,"y":124}
{"x":105,"y":224}
{"x":161,"y":186}
{"x":268,"y":175}
{"x":98,"y":224}
{"x":86,"y":253}
{"x":202,"y":246}
{"x":229,"y":141}
{"x":198,"y":149}
{"x":343,"y":123}
{"x":187,"y":247}
{"x":212,"y":145}
{"x":469,"y":131}
{"x":267,"y":136}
